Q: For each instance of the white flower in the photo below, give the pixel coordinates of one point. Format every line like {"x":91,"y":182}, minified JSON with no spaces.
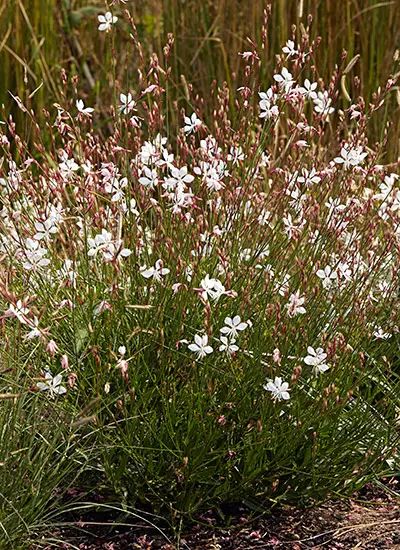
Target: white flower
{"x":295,"y":305}
{"x":354,"y":112}
{"x":228,"y":346}
{"x":192,"y":124}
{"x":289,"y":48}
{"x":334,"y":205}
{"x":308,"y":90}
{"x":19,"y":311}
{"x":235,"y":154}
{"x":52,"y":384}
{"x":200,"y":346}
{"x":82,"y":109}
{"x":178,"y":179}
{"x":106,"y":21}
{"x":282,"y":286}
{"x":291,"y":229}
{"x":327,"y":276}
{"x":127,"y":103}
{"x":322,"y":103}
{"x":308,"y":178}
{"x":245,"y":255}
{"x":209,"y":146}
{"x":350,"y":156}
{"x":132,"y":207}
{"x":166,"y":159}
{"x":316,"y":358}
{"x":34,"y":256}
{"x":157,"y":272}
{"x":115,"y":187}
{"x":115,"y":250}
{"x":110,"y":249}
{"x":284,"y":79}
{"x":212,"y":173}
{"x":150,"y":177}
{"x":35,"y":331}
{"x":278,"y":388}
{"x":68,"y":167}
{"x":233,"y":326}
{"x":45,"y":229}
{"x":267,"y":107}
{"x":212,"y":288}
{"x":99,"y":243}
{"x":246,"y":55}
{"x":151,"y":152}
{"x":381,"y":335}
{"x":265,"y":217}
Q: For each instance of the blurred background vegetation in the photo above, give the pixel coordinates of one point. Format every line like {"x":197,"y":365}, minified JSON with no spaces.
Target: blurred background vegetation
{"x":40,"y":37}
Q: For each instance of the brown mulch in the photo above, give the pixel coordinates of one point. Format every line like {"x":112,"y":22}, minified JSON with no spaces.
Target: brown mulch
{"x":369,"y":521}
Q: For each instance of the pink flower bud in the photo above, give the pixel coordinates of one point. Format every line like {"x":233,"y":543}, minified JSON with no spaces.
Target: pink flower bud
{"x":52,"y":348}
{"x":276,"y":356}
{"x":64,"y":362}
{"x":123,"y":365}
{"x":221,"y":420}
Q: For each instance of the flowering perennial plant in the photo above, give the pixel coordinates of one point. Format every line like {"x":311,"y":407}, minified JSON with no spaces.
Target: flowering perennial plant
{"x":178,"y":277}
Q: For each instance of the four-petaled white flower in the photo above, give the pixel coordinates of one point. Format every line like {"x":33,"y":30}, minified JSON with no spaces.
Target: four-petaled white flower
{"x":52,"y":384}
{"x":380,"y":334}
{"x":284,"y":79}
{"x":236,"y":154}
{"x":268,"y":109}
{"x":192,"y":124}
{"x":233,"y":326}
{"x":308,"y":178}
{"x":150,"y":177}
{"x":350,"y":156}
{"x":295,"y":305}
{"x":19,"y":311}
{"x":115,"y":187}
{"x":127,"y":103}
{"x":323,"y":103}
{"x":200,"y":346}
{"x":82,"y":109}
{"x":68,"y":166}
{"x":308,"y":89}
{"x":45,"y":229}
{"x":34,"y":256}
{"x":178,"y":180}
{"x":316,"y":358}
{"x":99,"y":243}
{"x":289,"y":48}
{"x":212,"y":288}
{"x":278,"y":388}
{"x":328,"y":277}
{"x":106,"y":21}
{"x":157,"y":272}
{"x":228,"y":345}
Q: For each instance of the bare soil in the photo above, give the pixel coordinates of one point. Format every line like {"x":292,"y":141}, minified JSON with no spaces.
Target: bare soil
{"x":368,"y":521}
